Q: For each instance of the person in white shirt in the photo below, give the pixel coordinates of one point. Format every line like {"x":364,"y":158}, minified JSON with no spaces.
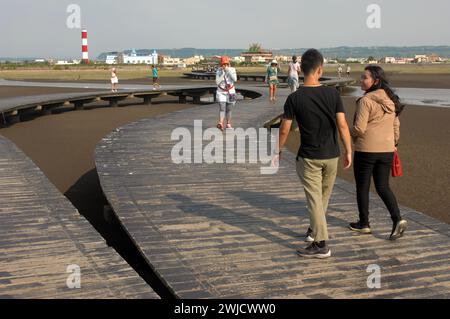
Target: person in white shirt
{"x":226,"y":77}
{"x":340,"y":71}
{"x":114,"y":80}
{"x":293,"y":73}
{"x":348,"y":71}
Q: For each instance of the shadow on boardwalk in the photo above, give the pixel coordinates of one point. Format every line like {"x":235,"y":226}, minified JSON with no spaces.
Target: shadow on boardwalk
{"x":255,"y":225}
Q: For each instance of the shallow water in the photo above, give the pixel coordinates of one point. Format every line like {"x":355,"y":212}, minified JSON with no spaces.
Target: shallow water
{"x":413,"y":96}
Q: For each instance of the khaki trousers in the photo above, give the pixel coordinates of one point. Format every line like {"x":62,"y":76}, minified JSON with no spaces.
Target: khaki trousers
{"x":318,"y":177}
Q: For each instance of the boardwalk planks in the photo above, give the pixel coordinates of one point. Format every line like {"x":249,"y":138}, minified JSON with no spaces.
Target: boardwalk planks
{"x":226,"y":231}
{"x":42,"y":234}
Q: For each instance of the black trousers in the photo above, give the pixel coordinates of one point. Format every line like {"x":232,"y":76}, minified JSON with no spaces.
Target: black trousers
{"x":378,"y":165}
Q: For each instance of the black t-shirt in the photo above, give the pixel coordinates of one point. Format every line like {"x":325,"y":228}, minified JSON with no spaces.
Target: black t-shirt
{"x":315,"y":110}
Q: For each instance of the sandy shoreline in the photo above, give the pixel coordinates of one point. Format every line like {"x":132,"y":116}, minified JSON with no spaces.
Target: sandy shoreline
{"x":63,"y":144}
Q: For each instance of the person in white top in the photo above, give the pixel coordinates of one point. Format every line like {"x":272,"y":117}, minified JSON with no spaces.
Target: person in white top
{"x":340,"y":71}
{"x":114,"y":80}
{"x":293,"y":74}
{"x":226,"y":77}
{"x":348,"y":71}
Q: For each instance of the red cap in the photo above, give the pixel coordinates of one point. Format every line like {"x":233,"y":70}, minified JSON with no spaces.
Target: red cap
{"x":224,"y":60}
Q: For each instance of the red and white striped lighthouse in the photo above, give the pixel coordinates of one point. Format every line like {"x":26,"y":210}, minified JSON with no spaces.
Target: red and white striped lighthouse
{"x":84,"y":46}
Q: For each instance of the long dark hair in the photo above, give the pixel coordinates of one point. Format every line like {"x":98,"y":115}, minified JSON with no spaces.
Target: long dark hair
{"x":377,"y":73}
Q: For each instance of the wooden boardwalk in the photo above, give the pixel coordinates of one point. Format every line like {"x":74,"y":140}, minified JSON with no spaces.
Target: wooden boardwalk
{"x":226,"y":231}
{"x":11,"y":109}
{"x":41,"y":234}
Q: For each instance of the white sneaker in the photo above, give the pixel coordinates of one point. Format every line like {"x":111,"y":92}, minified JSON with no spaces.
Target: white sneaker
{"x":308,"y":236}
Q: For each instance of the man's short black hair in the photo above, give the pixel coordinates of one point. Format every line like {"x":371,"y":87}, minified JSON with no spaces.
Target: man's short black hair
{"x":311,"y":60}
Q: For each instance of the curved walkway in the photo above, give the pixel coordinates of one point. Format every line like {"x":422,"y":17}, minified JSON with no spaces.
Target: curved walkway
{"x":42,"y":234}
{"x":226,"y":231}
{"x":11,"y":109}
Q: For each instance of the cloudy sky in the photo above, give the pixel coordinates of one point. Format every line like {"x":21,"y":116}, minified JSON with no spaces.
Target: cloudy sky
{"x":38,"y":28}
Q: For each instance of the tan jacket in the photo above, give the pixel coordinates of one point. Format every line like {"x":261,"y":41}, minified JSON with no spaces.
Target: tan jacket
{"x":376,"y":128}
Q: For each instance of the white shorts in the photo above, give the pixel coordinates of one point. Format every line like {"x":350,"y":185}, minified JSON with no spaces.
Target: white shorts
{"x":224,"y":97}
{"x":114,"y":80}
{"x":293,"y":82}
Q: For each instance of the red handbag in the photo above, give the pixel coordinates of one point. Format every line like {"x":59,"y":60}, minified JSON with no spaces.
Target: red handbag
{"x":397,"y":170}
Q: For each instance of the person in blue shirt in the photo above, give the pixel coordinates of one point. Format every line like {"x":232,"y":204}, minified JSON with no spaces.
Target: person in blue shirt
{"x":155,"y":77}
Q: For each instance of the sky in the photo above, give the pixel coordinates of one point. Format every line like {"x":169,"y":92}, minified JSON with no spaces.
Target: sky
{"x":30,"y":28}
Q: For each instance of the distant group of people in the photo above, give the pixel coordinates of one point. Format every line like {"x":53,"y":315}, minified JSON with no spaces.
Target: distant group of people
{"x":320,"y":115}
{"x":294,"y":71}
{"x":272,"y":80}
{"x":115,"y":79}
{"x":347,"y":70}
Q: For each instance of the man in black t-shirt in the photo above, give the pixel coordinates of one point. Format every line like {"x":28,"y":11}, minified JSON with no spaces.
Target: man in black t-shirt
{"x":320,"y":115}
{"x":315,"y":109}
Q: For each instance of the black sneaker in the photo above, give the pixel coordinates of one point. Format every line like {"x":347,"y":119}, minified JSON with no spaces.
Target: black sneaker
{"x":314,"y":251}
{"x":360,"y":228}
{"x":308,"y":236}
{"x":398,"y":229}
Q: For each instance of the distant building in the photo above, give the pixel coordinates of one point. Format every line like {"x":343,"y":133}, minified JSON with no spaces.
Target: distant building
{"x":167,"y":60}
{"x":258,"y":59}
{"x":403,"y":60}
{"x":352,"y":60}
{"x":283,"y":58}
{"x":434,"y":58}
{"x":193,"y":60}
{"x":421,"y":58}
{"x":111,"y":59}
{"x":134,"y":57}
{"x":65,"y":62}
{"x":388,"y":59}
{"x":260,"y":56}
{"x":215,"y":58}
{"x":238,"y":59}
{"x":400,"y":61}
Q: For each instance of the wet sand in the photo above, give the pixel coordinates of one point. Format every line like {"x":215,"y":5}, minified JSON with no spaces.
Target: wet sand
{"x":424,"y":151}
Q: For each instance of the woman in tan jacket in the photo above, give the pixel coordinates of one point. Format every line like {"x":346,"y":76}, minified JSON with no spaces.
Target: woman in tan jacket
{"x":376,"y":132}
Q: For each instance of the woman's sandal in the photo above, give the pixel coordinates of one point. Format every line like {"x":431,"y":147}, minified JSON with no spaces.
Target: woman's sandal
{"x":220,"y":126}
{"x":229,"y":126}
